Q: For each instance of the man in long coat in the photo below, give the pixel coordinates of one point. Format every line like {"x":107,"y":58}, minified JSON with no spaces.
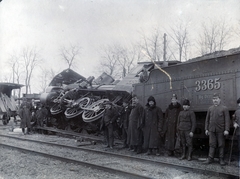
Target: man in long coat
{"x":217,"y":126}
{"x":153,"y":123}
{"x":109,"y":119}
{"x":25,"y":115}
{"x":171,"y":117}
{"x":124,"y":121}
{"x":135,"y":134}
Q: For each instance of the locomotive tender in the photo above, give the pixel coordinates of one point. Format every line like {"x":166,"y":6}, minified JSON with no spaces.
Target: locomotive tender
{"x":197,"y":80}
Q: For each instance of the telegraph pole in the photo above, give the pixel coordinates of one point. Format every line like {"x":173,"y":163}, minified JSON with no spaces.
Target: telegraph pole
{"x":164,"y":46}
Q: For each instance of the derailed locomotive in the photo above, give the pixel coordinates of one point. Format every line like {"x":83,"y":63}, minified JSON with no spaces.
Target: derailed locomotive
{"x":197,"y":80}
{"x":80,"y":104}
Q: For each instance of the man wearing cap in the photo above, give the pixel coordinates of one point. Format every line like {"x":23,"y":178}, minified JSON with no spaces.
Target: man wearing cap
{"x":25,"y":115}
{"x":135,"y":134}
{"x":236,"y":123}
{"x":186,"y":126}
{"x":153,"y":123}
{"x":171,"y":116}
{"x":109,"y":118}
{"x":124,"y":120}
{"x":217,"y":127}
{"x":41,"y":115}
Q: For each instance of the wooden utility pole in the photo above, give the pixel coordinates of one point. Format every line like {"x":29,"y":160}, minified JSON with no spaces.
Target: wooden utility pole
{"x":164,"y":46}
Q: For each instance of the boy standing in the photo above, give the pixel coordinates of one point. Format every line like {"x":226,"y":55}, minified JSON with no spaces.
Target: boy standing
{"x":186,"y":126}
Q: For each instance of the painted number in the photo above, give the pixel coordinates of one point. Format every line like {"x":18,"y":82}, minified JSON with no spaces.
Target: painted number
{"x":209,"y":84}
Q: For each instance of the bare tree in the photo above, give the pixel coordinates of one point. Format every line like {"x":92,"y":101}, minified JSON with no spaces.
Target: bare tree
{"x":117,"y":60}
{"x":151,"y":46}
{"x":13,"y":62}
{"x":31,"y":59}
{"x":237,"y":31}
{"x":128,"y":57}
{"x":214,"y":37}
{"x":69,"y":55}
{"x":16,"y":72}
{"x":52,"y":74}
{"x":108,"y":61}
{"x":179,"y":34}
{"x":45,"y":78}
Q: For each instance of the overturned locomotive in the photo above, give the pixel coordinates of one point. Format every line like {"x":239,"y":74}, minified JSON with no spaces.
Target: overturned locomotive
{"x":80,"y":104}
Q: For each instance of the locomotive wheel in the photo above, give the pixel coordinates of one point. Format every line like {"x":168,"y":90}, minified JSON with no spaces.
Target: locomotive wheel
{"x":69,"y":97}
{"x":94,"y":111}
{"x":56,"y":109}
{"x":77,"y":107}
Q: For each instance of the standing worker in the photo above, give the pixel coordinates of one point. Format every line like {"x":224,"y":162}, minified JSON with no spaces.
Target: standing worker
{"x":25,"y":115}
{"x":135,"y":134}
{"x":171,"y":116}
{"x":153,"y":123}
{"x":41,"y":115}
{"x":186,"y":127}
{"x":217,"y":127}
{"x":124,"y":120}
{"x":109,"y":118}
{"x":236,"y":124}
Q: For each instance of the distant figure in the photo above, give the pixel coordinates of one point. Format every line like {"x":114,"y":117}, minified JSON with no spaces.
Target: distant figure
{"x":186,"y":126}
{"x":25,"y":115}
{"x":135,"y":134}
{"x":236,"y":123}
{"x":217,"y":127}
{"x":144,"y":75}
{"x":171,"y":116}
{"x":153,"y":125}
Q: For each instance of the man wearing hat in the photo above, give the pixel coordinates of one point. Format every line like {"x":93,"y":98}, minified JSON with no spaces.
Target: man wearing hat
{"x":186,"y":126}
{"x":171,"y":116}
{"x":25,"y":115}
{"x":217,"y":127}
{"x":236,"y":124}
{"x":153,"y":123}
{"x":109,"y":118}
{"x":41,"y":115}
{"x":124,"y":120}
{"x":135,"y":134}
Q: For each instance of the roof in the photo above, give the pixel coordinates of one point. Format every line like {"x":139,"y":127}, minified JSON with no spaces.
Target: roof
{"x":66,"y":77}
{"x":6,"y":88}
{"x":10,"y":85}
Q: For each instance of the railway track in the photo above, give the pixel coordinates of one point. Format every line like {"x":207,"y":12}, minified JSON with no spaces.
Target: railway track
{"x":134,"y":160}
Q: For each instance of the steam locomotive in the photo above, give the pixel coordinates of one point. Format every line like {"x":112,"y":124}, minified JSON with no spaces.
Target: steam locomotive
{"x":196,"y":79}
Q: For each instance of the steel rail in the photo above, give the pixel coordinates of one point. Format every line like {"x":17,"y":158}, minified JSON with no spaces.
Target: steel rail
{"x":85,"y":164}
{"x":161,"y":163}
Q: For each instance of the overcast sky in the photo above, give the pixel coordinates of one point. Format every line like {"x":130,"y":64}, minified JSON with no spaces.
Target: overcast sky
{"x":50,"y":24}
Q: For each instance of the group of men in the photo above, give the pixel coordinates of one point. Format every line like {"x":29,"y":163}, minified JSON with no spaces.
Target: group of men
{"x":144,"y":127}
{"x":29,"y":112}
